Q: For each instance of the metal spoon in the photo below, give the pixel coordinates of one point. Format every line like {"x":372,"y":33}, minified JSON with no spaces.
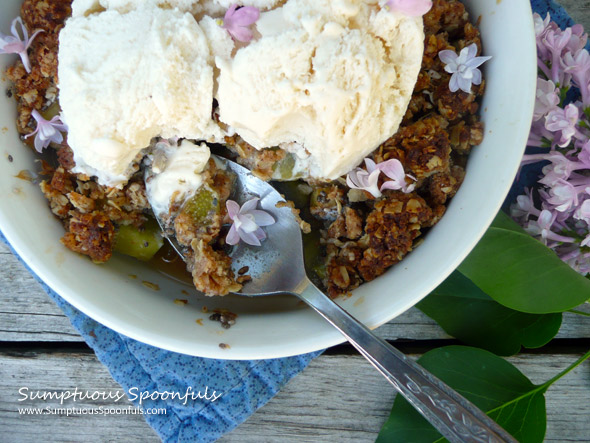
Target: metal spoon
{"x":277,"y":268}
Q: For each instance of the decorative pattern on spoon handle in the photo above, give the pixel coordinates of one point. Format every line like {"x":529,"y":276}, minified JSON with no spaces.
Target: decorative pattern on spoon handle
{"x":462,"y":424}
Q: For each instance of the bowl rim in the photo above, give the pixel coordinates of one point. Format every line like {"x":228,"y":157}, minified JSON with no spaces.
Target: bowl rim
{"x":329,"y":338}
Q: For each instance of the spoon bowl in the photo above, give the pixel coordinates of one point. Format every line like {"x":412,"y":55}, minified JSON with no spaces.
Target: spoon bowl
{"x":277,"y":266}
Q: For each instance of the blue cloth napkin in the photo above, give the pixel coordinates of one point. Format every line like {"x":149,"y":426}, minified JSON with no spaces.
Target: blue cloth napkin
{"x":244,"y":385}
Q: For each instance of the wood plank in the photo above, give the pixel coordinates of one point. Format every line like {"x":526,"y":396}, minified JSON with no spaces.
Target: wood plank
{"x":28,"y":314}
{"x":40,"y":371}
{"x":579,"y":10}
{"x":351,"y":404}
{"x":338,"y":398}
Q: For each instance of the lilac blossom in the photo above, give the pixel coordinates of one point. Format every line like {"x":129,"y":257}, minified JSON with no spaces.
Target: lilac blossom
{"x":237,"y":22}
{"x":583,"y":211}
{"x":578,"y":66}
{"x":541,"y":28}
{"x":542,"y":228}
{"x":555,"y":41}
{"x":563,"y":196}
{"x":541,"y":24}
{"x":575,"y":258}
{"x":47,"y":131}
{"x":17,"y":44}
{"x":247,"y":222}
{"x":561,"y":123}
{"x":368,"y":179}
{"x":412,"y":8}
{"x":547,"y":98}
{"x":394,"y":170}
{"x":539,"y":135}
{"x":524,"y":207}
{"x":578,"y":39}
{"x":463,"y":67}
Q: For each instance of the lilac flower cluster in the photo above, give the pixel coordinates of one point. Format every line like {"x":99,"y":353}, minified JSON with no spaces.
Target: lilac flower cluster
{"x":558,"y":212}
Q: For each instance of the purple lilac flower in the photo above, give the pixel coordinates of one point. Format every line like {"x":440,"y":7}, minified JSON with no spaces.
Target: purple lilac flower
{"x":247,"y":222}
{"x":563,"y":220}
{"x":394,"y":170}
{"x":539,"y":135}
{"x":47,"y":131}
{"x":542,"y":228}
{"x":583,"y":212}
{"x":575,"y":258}
{"x":412,"y":8}
{"x":563,"y":121}
{"x":541,"y":28}
{"x":547,"y":98}
{"x":15,"y":44}
{"x":463,"y":67}
{"x":578,"y":39}
{"x":524,"y":207}
{"x":555,"y":41}
{"x":561,"y":167}
{"x":584,"y":153}
{"x":563,"y":195}
{"x":368,"y":179}
{"x":237,"y":22}
{"x":578,"y":66}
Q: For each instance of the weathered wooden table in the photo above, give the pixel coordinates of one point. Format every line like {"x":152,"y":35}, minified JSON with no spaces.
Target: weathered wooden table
{"x":338,"y":398}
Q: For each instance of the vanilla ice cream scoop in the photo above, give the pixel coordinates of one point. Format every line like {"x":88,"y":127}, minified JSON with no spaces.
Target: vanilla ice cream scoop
{"x":328,"y":80}
{"x":125,"y":78}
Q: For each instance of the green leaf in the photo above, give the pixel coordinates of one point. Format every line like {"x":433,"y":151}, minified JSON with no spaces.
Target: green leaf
{"x":521,"y":273}
{"x":467,"y":313}
{"x":490,"y":382}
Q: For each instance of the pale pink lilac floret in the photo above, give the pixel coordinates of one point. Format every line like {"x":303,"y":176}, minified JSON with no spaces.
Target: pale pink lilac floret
{"x":237,"y":22}
{"x":17,"y":44}
{"x":578,"y":66}
{"x":542,"y":228}
{"x":47,"y":131}
{"x":561,"y":123}
{"x":368,"y":179}
{"x":463,"y":67}
{"x":412,"y":8}
{"x":547,"y":98}
{"x":247,"y":222}
{"x":524,"y":207}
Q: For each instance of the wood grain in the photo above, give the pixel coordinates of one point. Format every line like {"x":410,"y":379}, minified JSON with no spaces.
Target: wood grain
{"x":320,"y":405}
{"x":354,"y":401}
{"x":48,"y":371}
{"x":579,"y":10}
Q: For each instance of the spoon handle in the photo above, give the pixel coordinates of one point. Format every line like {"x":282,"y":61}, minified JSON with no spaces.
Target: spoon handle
{"x":450,"y":413}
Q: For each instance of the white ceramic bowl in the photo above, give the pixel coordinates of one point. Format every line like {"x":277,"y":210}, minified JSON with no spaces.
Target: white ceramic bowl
{"x":282,"y":326}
